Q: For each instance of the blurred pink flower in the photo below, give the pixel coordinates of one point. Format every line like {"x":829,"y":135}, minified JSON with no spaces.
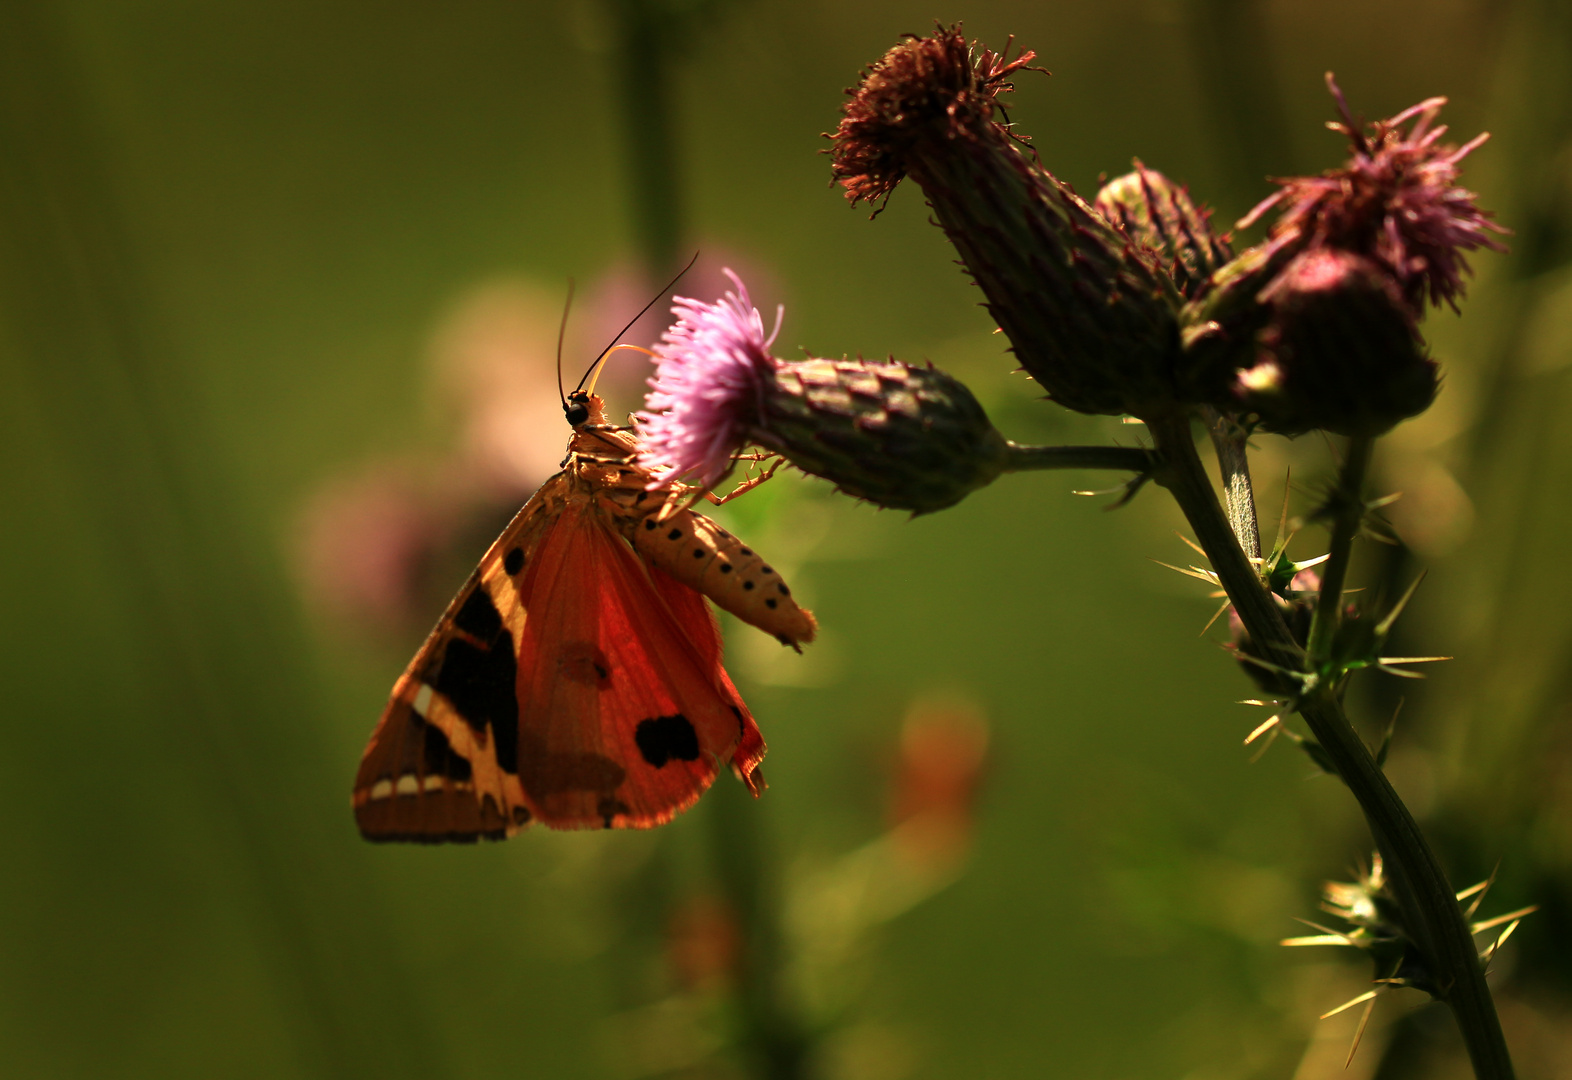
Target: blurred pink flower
{"x":493,"y":360}
{"x":367,"y":543}
{"x":384,"y":545}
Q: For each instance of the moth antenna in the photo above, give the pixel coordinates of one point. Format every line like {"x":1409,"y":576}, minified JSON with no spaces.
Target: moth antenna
{"x":608,"y":349}
{"x":561,"y":333}
{"x":593,"y":379}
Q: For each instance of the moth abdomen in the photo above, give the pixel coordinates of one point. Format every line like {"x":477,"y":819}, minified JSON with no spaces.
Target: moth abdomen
{"x":708,"y":559}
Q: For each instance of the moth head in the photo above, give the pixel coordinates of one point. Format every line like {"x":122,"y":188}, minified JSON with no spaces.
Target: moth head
{"x":577,"y":407}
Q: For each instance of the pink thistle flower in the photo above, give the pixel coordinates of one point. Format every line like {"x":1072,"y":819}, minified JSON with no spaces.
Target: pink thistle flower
{"x":1396,"y":201}
{"x":711,"y":374}
{"x":898,"y":435}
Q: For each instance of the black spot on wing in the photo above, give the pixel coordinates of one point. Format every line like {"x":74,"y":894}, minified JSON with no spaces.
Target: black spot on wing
{"x":513,"y":561}
{"x":488,"y":806}
{"x":663,"y":738}
{"x":479,"y":616}
{"x":480,"y":681}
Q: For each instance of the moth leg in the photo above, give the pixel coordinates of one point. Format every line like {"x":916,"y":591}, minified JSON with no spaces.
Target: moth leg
{"x":752,"y":481}
{"x":679,"y":499}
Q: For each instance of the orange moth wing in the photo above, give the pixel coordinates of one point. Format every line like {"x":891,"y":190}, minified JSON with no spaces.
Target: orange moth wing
{"x":572,"y":680}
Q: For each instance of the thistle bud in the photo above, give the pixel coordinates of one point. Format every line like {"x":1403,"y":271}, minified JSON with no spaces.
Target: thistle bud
{"x":900,"y":436}
{"x":1089,"y":313}
{"x":1221,"y":323}
{"x":1318,"y":338}
{"x":1339,"y":351}
{"x":1376,"y":925}
{"x":1296,"y":600}
{"x":1158,"y":215}
{"x":1317,"y":326}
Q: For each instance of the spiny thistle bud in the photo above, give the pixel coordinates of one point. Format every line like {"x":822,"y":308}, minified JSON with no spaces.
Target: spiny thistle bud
{"x":1158,"y":215}
{"x":904,"y":437}
{"x":1316,"y":327}
{"x":1090,"y":314}
{"x":1377,"y":927}
{"x":1221,"y":323}
{"x":1296,"y":599}
{"x":1339,"y":351}
{"x":900,"y":436}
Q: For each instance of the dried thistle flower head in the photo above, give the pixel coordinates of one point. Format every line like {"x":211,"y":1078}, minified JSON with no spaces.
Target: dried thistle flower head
{"x":1395,"y":201}
{"x":1317,"y":327}
{"x":901,"y":436}
{"x":924,"y":90}
{"x":1090,"y":314}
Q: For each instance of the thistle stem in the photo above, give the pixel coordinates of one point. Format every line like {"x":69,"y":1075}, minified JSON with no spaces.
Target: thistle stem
{"x":1233,"y":461}
{"x":771,"y":1030}
{"x":643,"y":70}
{"x":1441,"y":930}
{"x":1347,"y":510}
{"x":1024,"y":458}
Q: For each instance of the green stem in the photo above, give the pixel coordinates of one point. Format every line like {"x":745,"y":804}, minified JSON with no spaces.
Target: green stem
{"x":1347,"y":511}
{"x":1429,"y":903}
{"x":1023,"y":458}
{"x":643,"y":69}
{"x":774,"y":1035}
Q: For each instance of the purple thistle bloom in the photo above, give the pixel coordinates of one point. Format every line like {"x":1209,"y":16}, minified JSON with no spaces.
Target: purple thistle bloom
{"x":707,"y":394}
{"x":1395,"y":201}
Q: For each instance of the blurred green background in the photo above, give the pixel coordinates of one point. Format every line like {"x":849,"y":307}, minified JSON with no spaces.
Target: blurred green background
{"x":241,"y":246}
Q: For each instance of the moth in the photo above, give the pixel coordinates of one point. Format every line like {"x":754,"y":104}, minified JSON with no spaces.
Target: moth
{"x":576,"y":678}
